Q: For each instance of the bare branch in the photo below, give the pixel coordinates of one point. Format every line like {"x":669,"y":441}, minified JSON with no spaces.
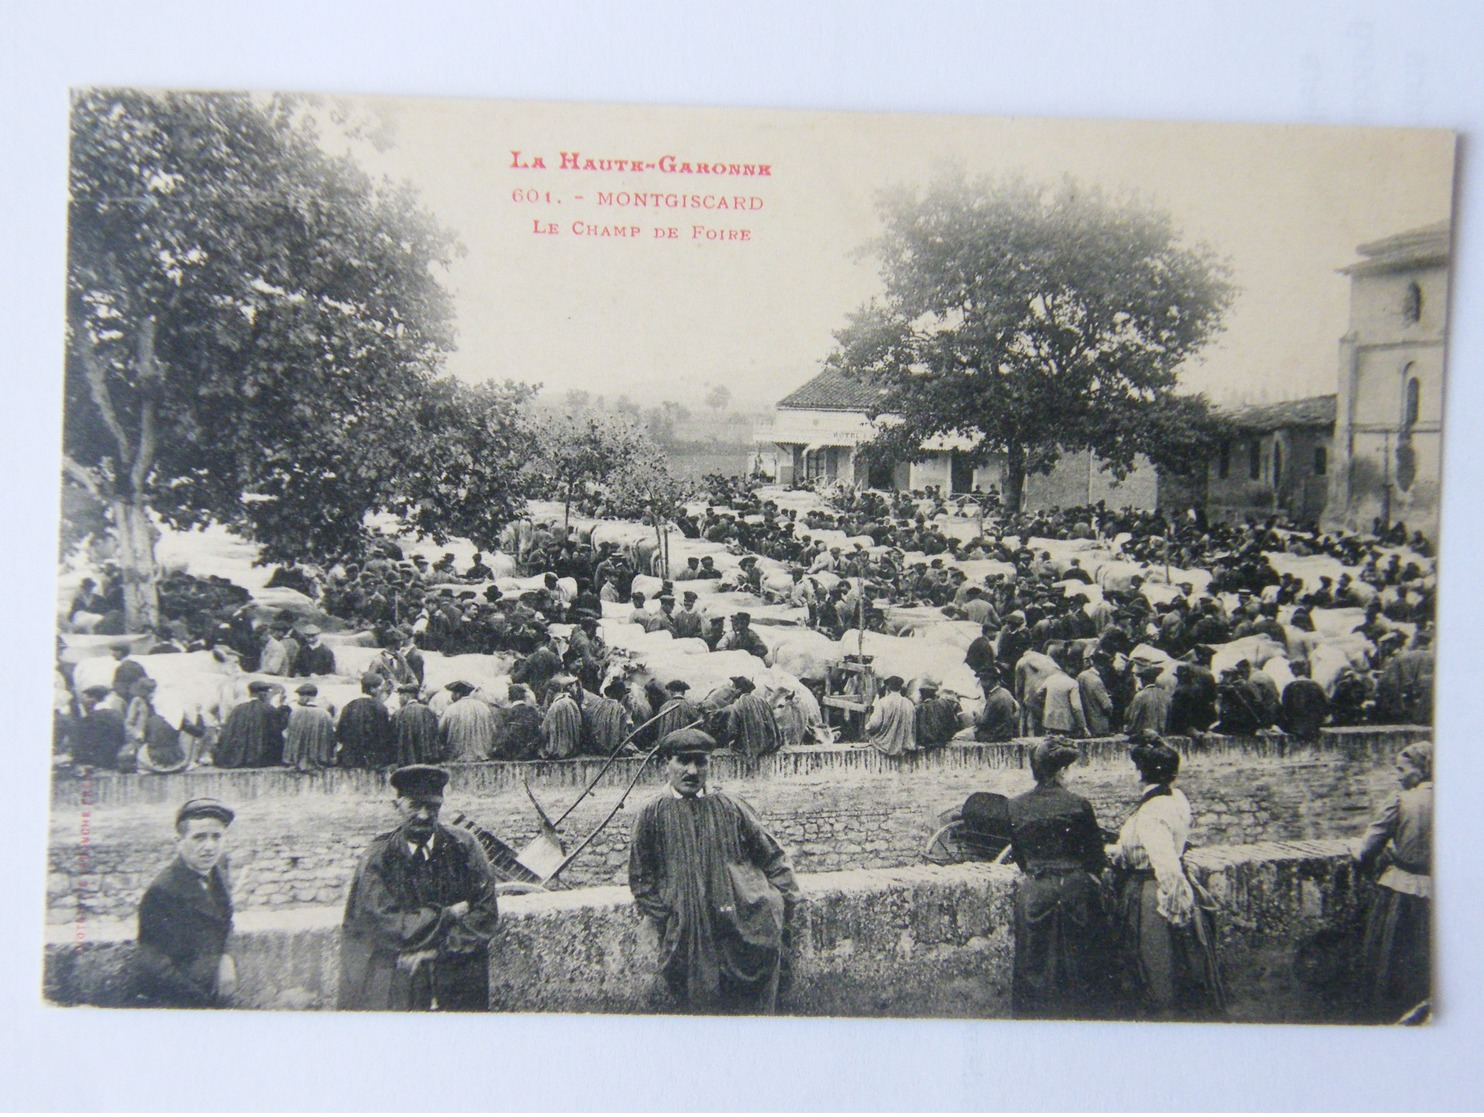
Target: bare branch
{"x":83,"y":476}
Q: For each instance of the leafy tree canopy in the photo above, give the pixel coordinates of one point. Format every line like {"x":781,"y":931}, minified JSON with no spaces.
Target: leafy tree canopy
{"x":1031,"y":319}
{"x":254,"y":327}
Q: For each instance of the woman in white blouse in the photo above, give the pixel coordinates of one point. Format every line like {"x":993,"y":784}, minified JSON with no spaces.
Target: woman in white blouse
{"x":1166,"y":919}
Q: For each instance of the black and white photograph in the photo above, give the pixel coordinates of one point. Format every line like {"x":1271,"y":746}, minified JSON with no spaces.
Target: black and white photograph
{"x":582,"y":558}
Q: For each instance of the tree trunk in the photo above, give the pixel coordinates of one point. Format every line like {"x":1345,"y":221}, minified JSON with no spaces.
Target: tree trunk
{"x":1014,"y":477}
{"x":137,"y":569}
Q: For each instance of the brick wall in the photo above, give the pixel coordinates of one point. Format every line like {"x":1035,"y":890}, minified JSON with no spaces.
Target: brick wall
{"x":920,"y":941}
{"x":297,"y":838}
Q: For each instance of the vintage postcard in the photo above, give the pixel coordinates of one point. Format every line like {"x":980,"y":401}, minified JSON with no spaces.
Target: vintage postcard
{"x":581,"y":558}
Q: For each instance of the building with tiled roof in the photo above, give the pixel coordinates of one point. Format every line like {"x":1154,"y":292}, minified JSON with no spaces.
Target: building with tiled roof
{"x":819,"y":426}
{"x":1276,"y":459}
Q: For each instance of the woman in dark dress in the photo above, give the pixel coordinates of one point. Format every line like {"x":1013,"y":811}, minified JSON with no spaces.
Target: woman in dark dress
{"x":1062,"y":937}
{"x":1166,"y":919}
{"x":1397,"y":950}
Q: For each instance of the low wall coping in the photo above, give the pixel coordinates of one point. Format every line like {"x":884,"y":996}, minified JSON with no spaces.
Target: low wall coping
{"x":237,"y":785}
{"x":608,"y":898}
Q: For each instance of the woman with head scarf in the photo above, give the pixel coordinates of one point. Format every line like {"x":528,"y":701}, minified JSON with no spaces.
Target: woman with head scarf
{"x":1166,"y":919}
{"x":1397,"y":951}
{"x":1062,"y":940}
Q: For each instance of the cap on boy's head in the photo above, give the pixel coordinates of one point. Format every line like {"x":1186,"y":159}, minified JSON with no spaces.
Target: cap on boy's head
{"x":204,"y":808}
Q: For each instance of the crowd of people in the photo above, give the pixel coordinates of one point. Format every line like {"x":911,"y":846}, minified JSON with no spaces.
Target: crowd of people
{"x":1048,"y":660}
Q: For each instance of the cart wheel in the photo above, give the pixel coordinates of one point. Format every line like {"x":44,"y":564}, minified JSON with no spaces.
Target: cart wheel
{"x":942,"y":848}
{"x":517,"y":888}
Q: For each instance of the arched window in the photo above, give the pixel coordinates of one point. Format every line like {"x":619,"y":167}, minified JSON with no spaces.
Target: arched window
{"x":1413,"y":402}
{"x":1412,"y":303}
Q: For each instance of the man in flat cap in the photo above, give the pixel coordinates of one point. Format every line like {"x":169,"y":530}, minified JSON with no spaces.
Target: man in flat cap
{"x":717,"y":888}
{"x":313,"y":658}
{"x":743,"y":639}
{"x":421,"y":910}
{"x":185,"y":918}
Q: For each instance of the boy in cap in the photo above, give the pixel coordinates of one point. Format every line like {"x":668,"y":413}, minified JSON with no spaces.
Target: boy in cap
{"x":185,"y":917}
{"x":421,"y":910}
{"x":717,"y":888}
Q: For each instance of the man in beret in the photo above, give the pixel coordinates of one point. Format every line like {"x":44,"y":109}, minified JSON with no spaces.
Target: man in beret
{"x":561,"y":728}
{"x":99,"y":734}
{"x":365,"y":728}
{"x":891,"y":726}
{"x":415,"y":728}
{"x":421,"y":910}
{"x":252,"y":735}
{"x":466,"y":728}
{"x":689,"y":622}
{"x":185,"y":917}
{"x":309,"y":740}
{"x":717,"y":889}
{"x":748,"y":721}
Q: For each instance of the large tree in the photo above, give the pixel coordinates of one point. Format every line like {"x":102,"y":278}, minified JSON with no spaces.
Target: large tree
{"x":248,"y":318}
{"x":1032,"y":320}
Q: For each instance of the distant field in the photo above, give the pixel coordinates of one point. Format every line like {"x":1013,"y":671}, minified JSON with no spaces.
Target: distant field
{"x":695,"y":461}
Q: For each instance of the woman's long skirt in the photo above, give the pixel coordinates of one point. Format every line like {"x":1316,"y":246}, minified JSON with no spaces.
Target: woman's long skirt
{"x":1174,"y":968}
{"x":1397,"y":954}
{"x":1063,"y":948}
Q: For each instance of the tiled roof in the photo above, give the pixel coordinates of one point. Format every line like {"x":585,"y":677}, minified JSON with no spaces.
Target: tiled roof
{"x":1316,"y":411}
{"x":832,"y":390}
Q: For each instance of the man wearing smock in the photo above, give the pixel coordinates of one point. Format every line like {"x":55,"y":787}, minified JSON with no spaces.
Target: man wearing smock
{"x":717,"y":887}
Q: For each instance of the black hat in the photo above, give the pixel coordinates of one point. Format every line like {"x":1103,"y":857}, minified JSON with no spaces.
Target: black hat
{"x":893,"y":682}
{"x":408,"y":688}
{"x":98,"y":690}
{"x":677,"y":685}
{"x":420,"y":781}
{"x":744,"y":684}
{"x":205,"y":808}
{"x":684,"y":741}
{"x":743,"y":618}
{"x":615,"y":689}
{"x":257,"y":686}
{"x":987,"y":814}
{"x":458,"y":686}
{"x":306,"y":688}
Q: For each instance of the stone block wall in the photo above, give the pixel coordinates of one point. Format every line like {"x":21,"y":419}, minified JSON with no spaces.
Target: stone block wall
{"x":908,"y":942}
{"x":296,"y":839}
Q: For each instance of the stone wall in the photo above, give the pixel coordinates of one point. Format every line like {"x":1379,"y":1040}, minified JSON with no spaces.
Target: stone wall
{"x":297,"y":838}
{"x":920,"y":941}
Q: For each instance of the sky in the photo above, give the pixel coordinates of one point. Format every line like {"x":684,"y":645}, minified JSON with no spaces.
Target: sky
{"x":668,"y":318}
